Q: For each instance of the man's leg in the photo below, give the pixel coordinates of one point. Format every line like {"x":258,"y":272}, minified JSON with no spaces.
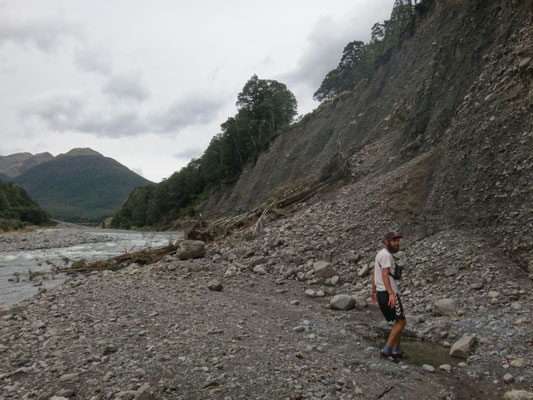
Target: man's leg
{"x":397,"y":329}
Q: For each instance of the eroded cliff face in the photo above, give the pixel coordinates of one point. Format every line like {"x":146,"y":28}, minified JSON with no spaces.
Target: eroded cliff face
{"x":452,"y":106}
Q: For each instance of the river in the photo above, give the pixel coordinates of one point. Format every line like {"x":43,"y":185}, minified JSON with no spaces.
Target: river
{"x":26,"y":259}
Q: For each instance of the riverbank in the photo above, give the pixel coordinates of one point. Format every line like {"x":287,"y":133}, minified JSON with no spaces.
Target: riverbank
{"x":30,"y":260}
{"x":159,"y":332}
{"x":267,"y":331}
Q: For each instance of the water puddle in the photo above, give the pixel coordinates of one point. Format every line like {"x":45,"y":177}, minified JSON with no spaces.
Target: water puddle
{"x":419,"y":352}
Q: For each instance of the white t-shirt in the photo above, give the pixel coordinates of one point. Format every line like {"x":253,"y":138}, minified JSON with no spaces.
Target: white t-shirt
{"x":384,"y":259}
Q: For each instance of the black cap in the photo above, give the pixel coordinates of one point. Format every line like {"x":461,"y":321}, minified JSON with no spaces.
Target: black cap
{"x":392,"y":235}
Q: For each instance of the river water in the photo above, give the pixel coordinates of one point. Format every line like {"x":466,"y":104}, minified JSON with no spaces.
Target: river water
{"x":25,"y":266}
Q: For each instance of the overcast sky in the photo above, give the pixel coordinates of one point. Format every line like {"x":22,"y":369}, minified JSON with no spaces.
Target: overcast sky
{"x":149,"y":83}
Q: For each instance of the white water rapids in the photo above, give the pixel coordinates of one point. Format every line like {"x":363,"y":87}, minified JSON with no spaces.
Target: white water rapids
{"x":15,"y":282}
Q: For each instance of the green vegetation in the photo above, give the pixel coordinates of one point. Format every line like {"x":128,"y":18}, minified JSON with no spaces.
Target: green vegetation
{"x":359,"y":59}
{"x":80,"y":187}
{"x":18,"y":210}
{"x":264,"y":108}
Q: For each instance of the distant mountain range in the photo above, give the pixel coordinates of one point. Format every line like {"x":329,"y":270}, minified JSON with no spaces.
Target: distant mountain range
{"x":16,"y":164}
{"x":79,"y":186}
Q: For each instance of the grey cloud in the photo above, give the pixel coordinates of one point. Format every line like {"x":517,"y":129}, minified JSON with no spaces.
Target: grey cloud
{"x":188,"y":111}
{"x":45,"y":34}
{"x":188,"y":153}
{"x":322,"y":55}
{"x":66,"y":112}
{"x":92,"y":60}
{"x":126,"y":87}
{"x":75,"y":112}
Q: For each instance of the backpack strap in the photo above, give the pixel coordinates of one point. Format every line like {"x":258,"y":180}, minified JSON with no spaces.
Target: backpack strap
{"x":382,"y":269}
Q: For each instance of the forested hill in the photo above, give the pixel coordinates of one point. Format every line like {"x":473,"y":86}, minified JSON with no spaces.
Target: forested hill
{"x":17,"y":209}
{"x":80,"y":186}
{"x":265,"y":108}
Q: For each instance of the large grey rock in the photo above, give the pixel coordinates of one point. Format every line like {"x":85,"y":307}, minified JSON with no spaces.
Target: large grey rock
{"x":323,"y":269}
{"x":342,"y":302}
{"x":445,"y":307}
{"x":143,"y":393}
{"x":518,"y":395}
{"x":463,"y":347}
{"x":364,"y":271}
{"x":215,"y":286}
{"x":190,"y":249}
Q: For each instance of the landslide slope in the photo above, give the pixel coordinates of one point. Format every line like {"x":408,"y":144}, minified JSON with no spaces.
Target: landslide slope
{"x":451,"y":106}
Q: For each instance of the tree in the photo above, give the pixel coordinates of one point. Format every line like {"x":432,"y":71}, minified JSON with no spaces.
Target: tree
{"x":358,"y":59}
{"x":353,"y":67}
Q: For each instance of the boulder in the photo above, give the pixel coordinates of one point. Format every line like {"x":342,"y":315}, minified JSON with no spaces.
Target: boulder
{"x":143,"y":393}
{"x":463,"y":347}
{"x":324,"y":270}
{"x":214,"y":286}
{"x":364,"y":271}
{"x":190,"y":249}
{"x":445,"y":307}
{"x":342,"y":302}
{"x":518,"y":395}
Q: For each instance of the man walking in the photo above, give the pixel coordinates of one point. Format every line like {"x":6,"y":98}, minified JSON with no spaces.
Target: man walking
{"x":385,"y":293}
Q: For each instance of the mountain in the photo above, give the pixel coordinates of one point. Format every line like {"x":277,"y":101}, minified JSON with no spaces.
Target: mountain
{"x":17,"y":209}
{"x":15,"y":164}
{"x":81,"y":185}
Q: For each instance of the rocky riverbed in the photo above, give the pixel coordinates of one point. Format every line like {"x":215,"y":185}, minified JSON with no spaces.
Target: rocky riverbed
{"x":266,"y":330}
{"x":252,"y":319}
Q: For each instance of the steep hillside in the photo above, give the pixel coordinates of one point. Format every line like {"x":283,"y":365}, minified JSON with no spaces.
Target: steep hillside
{"x":17,"y":209}
{"x":451,"y":106}
{"x":15,"y":164}
{"x":81,"y":185}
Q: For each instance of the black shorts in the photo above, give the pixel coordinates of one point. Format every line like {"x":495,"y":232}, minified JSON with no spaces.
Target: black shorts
{"x":390,"y":314}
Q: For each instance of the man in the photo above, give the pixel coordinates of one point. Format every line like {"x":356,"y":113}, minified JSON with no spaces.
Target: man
{"x":385,"y":293}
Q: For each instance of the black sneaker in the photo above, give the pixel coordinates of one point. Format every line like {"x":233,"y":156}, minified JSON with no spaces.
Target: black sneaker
{"x":400,"y":355}
{"x":387,"y":357}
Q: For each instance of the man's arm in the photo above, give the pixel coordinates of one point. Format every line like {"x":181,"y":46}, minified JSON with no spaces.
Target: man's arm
{"x":373,"y":293}
{"x":392,"y":297}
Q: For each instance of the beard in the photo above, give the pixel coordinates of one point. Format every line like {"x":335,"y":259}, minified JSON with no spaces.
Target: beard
{"x":393,"y":249}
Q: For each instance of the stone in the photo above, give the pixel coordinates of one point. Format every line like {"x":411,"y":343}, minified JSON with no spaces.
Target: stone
{"x":463,"y":347}
{"x":260,"y":270}
{"x":508,"y":378}
{"x":477,"y":286}
{"x":364,"y":271}
{"x":143,"y":393}
{"x":69,"y":378}
{"x":428,"y":368}
{"x":518,"y":395}
{"x":11,"y":310}
{"x":215,"y":286}
{"x":188,"y":249}
{"x":343,"y":302}
{"x":445,"y":307}
{"x":310,"y":293}
{"x":518,"y":363}
{"x":323,"y":269}
{"x":524,"y":63}
{"x":445,"y":367}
